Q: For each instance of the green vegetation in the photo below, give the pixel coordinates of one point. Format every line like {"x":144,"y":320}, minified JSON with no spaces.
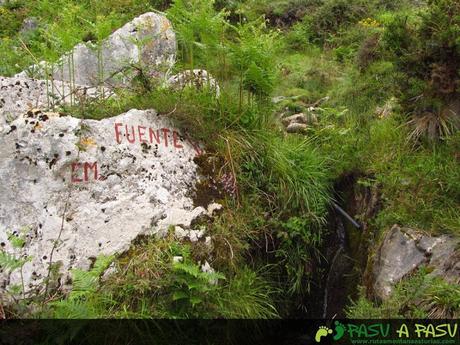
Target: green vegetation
{"x":385,"y":80}
{"x":154,"y":285}
{"x":420,"y":297}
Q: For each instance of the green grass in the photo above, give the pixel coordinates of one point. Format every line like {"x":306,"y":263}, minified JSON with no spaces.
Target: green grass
{"x":154,"y":286}
{"x":420,"y":296}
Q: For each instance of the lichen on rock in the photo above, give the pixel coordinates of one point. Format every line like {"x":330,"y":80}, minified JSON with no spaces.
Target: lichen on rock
{"x":19,"y":95}
{"x":147,"y":43}
{"x":90,"y":188}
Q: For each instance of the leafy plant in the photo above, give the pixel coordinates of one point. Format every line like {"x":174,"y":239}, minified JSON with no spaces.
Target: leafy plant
{"x":248,"y":296}
{"x":299,"y":238}
{"x":192,"y":289}
{"x":82,"y":302}
{"x":16,"y":261}
{"x":252,"y":56}
{"x":332,"y":15}
{"x":200,"y":29}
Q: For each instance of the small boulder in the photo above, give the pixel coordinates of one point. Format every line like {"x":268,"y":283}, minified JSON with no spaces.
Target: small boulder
{"x":404,"y":250}
{"x":296,"y":128}
{"x":147,"y":43}
{"x":297,"y":123}
{"x":213,"y":209}
{"x":297,"y":118}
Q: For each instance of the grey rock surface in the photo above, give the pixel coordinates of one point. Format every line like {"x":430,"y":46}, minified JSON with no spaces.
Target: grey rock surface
{"x":19,"y":95}
{"x":404,"y":250}
{"x":29,"y":25}
{"x":147,"y":42}
{"x":89,"y":187}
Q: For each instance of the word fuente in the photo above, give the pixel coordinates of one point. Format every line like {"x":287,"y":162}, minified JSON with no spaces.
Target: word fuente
{"x":86,"y":171}
{"x":147,"y":135}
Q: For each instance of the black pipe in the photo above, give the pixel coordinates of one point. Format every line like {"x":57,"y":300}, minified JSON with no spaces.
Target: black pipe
{"x":346,"y":215}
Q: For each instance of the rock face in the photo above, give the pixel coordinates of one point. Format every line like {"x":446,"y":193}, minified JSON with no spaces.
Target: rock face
{"x":404,"y":250}
{"x":89,"y":187}
{"x":147,"y":42}
{"x":20,"y":95}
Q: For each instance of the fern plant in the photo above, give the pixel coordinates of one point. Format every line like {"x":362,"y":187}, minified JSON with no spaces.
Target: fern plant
{"x":200,"y":30}
{"x":13,"y":262}
{"x":83,"y":301}
{"x":253,"y":56}
{"x":192,"y":289}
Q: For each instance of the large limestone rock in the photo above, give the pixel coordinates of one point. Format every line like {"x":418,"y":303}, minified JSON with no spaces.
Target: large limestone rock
{"x":19,"y":95}
{"x":89,"y":187}
{"x":148,"y":42}
{"x":404,"y":250}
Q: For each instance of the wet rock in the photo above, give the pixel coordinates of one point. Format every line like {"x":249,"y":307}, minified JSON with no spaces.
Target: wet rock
{"x":404,"y":250}
{"x":147,"y":43}
{"x":197,"y":78}
{"x":296,"y":128}
{"x":90,"y":187}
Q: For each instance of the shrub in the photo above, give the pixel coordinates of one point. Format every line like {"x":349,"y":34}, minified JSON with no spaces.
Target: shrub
{"x":426,"y":51}
{"x":335,"y":14}
{"x":154,"y":285}
{"x":253,"y":57}
{"x":368,"y":51}
{"x":10,"y":22}
{"x":299,"y":37}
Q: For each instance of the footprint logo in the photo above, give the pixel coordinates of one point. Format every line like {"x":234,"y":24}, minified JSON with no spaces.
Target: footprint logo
{"x":322,"y":332}
{"x":339,"y":330}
